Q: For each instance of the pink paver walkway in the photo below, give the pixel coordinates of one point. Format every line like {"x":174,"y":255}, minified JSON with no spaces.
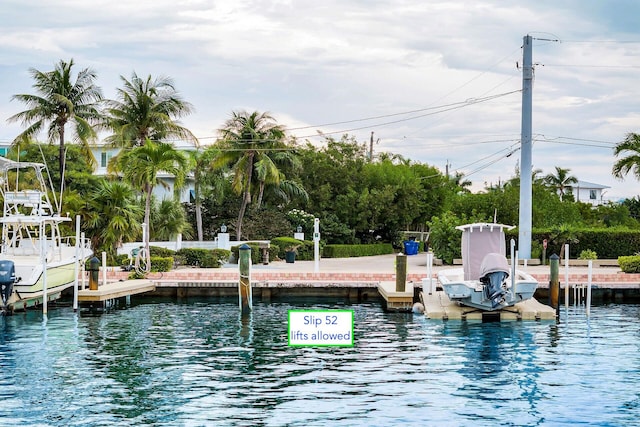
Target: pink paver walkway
{"x":379,"y":268}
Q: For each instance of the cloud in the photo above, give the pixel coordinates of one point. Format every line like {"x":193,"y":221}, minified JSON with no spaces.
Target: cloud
{"x":314,"y":63}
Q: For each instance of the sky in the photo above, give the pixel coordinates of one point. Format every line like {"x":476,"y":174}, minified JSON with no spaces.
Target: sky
{"x":438,"y":82}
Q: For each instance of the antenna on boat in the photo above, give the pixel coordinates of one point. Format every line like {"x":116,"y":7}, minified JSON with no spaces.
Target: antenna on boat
{"x":55,"y":199}
{"x":495,"y":216}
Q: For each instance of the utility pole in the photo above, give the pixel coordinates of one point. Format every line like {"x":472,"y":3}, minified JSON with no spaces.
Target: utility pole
{"x":524,"y":226}
{"x":371,"y":147}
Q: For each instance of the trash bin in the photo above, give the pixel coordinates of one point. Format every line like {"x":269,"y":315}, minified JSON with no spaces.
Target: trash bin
{"x":411,"y":247}
{"x":290,"y":257}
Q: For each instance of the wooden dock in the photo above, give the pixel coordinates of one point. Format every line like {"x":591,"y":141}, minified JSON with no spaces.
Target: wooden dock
{"x":115,"y":290}
{"x":438,"y":306}
{"x":394,"y":300}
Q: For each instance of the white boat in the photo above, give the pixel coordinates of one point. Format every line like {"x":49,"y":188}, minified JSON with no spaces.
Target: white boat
{"x":486,"y":281}
{"x":36,"y":261}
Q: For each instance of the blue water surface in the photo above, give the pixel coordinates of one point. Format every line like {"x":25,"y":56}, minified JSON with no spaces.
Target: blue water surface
{"x":201,"y":363}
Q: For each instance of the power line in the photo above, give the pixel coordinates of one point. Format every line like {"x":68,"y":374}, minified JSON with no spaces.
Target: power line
{"x":566,"y":140}
{"x":471,"y":101}
{"x":601,"y":41}
{"x":592,"y":66}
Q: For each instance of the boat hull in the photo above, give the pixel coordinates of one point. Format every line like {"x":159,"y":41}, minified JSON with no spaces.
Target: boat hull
{"x":26,"y":295}
{"x":472,"y":293}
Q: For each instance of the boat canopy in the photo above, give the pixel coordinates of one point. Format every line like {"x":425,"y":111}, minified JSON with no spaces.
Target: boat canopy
{"x":478,"y":240}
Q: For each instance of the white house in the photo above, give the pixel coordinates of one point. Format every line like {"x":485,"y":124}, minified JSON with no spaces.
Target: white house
{"x":588,"y":192}
{"x":104,"y":154}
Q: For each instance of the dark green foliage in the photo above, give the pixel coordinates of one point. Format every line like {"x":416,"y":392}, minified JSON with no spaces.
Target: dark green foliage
{"x":286,"y":244}
{"x":158,"y":251}
{"x":360,"y":201}
{"x":305,"y":252}
{"x":633,"y":204}
{"x":263,"y":224}
{"x":121,"y":260}
{"x":608,"y":243}
{"x":444,"y":239}
{"x":346,"y":251}
{"x":203,"y":258}
{"x":161,"y":264}
{"x":256,"y":252}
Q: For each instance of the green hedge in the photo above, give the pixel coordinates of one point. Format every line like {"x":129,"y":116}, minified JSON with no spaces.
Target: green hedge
{"x":204,"y":258}
{"x":347,"y":251}
{"x":303,"y":248}
{"x":607,"y":243}
{"x":629,"y":264}
{"x":161,"y":263}
{"x":256,"y":252}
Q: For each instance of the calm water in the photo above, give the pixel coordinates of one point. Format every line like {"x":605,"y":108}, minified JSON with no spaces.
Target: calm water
{"x":199,"y":363}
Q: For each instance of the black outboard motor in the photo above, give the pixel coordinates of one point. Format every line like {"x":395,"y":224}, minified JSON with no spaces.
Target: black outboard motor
{"x":494,"y":271}
{"x":7,"y":279}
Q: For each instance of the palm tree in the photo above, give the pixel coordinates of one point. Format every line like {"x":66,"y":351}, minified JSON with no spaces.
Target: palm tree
{"x":111,"y":215}
{"x":146,"y":109}
{"x":631,"y":163}
{"x":206,"y":180}
{"x":169,"y":220}
{"x":59,"y":100}
{"x":460,"y":182}
{"x":141,"y":166}
{"x":561,"y":181}
{"x":246,"y":140}
{"x":268,"y":173}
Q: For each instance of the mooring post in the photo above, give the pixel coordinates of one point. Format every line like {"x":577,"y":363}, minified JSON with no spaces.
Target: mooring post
{"x":244,"y":286}
{"x":554,"y":282}
{"x":401,"y":272}
{"x":94,"y":273}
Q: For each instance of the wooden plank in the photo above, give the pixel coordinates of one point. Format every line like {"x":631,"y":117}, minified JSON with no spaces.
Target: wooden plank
{"x":116,"y":290}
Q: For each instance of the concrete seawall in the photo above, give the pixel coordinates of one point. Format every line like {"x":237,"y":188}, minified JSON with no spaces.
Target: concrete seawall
{"x":357,"y":278}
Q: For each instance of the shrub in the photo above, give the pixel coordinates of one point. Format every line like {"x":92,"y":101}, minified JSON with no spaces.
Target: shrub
{"x":158,"y":251}
{"x":286,"y":244}
{"x":161,"y":263}
{"x":256,"y":252}
{"x":346,"y":251}
{"x":204,"y":258}
{"x":629,"y":264}
{"x":588,"y":254}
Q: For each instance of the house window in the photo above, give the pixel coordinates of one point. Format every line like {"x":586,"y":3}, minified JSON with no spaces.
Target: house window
{"x":592,"y":194}
{"x":105,"y":158}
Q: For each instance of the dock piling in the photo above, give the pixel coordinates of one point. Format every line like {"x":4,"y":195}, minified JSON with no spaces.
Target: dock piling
{"x":94,"y":273}
{"x":554,"y":281}
{"x":401,"y":272}
{"x":244,"y":285}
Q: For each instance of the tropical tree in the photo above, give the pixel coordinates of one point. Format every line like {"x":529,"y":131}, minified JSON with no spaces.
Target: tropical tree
{"x":141,"y":166}
{"x":561,"y":181}
{"x":246,"y":140}
{"x":111,"y":215}
{"x":146,"y":109}
{"x":60,"y":100}
{"x":169,"y":220}
{"x":204,"y":178}
{"x":630,"y":147}
{"x":459,"y":181}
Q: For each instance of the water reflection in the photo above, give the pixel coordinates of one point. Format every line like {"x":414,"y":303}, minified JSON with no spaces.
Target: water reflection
{"x":203,"y":363}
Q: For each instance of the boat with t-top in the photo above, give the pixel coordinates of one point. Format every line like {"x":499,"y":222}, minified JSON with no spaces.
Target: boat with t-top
{"x":36,"y":261}
{"x":486,"y":280}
